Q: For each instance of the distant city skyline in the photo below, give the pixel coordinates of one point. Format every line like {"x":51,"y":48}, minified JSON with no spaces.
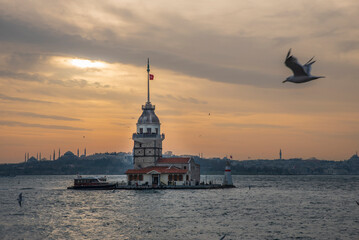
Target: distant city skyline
{"x":73,"y":75}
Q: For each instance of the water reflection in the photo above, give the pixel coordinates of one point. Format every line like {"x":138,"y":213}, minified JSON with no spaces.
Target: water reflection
{"x":284,"y":207}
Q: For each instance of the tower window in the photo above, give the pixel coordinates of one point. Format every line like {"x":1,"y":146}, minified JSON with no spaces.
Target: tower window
{"x":149,"y":130}
{"x":141,"y":130}
{"x":156,"y":130}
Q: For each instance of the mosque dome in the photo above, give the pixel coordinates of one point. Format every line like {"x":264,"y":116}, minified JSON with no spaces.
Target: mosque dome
{"x":69,"y":153}
{"x":148,"y":115}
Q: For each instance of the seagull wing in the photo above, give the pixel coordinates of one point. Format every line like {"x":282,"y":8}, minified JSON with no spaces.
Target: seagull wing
{"x":292,"y":63}
{"x":308,"y":66}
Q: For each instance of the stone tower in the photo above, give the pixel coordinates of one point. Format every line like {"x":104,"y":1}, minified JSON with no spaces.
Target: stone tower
{"x":148,"y":139}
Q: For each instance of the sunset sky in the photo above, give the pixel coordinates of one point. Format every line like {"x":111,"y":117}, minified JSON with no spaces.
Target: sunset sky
{"x":73,"y":74}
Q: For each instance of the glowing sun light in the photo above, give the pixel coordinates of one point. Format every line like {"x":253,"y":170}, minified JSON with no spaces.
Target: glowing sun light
{"x":83,"y":63}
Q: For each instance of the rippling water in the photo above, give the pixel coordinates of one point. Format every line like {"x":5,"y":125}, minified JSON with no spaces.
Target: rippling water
{"x":275,"y":207}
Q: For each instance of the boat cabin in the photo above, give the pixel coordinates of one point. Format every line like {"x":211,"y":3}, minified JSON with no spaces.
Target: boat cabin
{"x":89,"y":181}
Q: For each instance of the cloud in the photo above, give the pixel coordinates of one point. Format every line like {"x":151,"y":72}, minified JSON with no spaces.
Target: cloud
{"x":17,"y":99}
{"x":34,"y":77}
{"x":35,"y":125}
{"x":254,"y":125}
{"x":25,"y":61}
{"x":36,"y":115}
{"x":182,"y":99}
{"x":21,"y":76}
{"x":132,"y":49}
{"x":82,"y":83}
{"x":347,"y":46}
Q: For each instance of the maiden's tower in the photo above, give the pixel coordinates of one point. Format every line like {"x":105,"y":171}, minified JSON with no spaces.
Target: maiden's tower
{"x":149,"y":166}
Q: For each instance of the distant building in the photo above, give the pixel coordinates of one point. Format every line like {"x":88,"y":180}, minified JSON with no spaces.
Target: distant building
{"x":149,"y":166}
{"x":32,"y":160}
{"x":168,"y":154}
{"x":68,"y":156}
{"x":354,"y":158}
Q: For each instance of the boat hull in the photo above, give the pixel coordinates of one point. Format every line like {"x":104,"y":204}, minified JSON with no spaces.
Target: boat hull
{"x":94,"y":187}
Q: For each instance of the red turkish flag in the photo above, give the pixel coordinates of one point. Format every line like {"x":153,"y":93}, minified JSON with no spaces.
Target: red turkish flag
{"x":152,"y":76}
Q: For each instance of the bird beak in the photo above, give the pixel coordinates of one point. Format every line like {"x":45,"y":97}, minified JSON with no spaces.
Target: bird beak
{"x":285,"y":81}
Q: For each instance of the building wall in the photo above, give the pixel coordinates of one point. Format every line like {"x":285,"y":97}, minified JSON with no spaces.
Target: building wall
{"x":151,"y":126}
{"x":163,"y":178}
{"x":193,"y":169}
{"x":195,"y":172}
{"x":146,"y":152}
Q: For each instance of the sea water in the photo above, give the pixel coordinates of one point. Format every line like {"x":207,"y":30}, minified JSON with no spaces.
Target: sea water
{"x":261,"y":207}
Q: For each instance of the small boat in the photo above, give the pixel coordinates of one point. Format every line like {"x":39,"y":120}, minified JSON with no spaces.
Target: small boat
{"x":95,"y":183}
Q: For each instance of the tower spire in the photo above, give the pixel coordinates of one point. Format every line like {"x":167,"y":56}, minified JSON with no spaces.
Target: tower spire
{"x":148,"y":80}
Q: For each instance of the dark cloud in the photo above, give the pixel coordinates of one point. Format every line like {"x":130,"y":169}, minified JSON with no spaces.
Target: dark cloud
{"x":35,"y":125}
{"x":36,"y":115}
{"x":21,"y":76}
{"x":181,"y":99}
{"x":134,"y":50}
{"x":244,"y":125}
{"x":50,"y":80}
{"x":17,"y":99}
{"x":347,"y":46}
{"x":82,"y":83}
{"x":25,"y":61}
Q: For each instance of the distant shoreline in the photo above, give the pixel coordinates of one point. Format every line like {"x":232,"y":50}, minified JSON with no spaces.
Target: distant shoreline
{"x":118,"y":163}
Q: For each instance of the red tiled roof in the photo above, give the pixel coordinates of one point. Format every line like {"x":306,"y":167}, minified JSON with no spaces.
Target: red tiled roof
{"x":157,"y":169}
{"x":174,"y":160}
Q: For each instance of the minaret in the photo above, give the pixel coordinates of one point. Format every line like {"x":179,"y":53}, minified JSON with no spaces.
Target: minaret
{"x":25,"y":157}
{"x":53,"y":156}
{"x":40,"y":157}
{"x":227,"y":180}
{"x":78,"y":152}
{"x":59,"y":153}
{"x":148,"y":138}
{"x":280,"y":154}
{"x":85,"y":152}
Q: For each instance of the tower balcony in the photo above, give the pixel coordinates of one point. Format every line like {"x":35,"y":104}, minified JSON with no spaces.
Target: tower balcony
{"x":148,"y":135}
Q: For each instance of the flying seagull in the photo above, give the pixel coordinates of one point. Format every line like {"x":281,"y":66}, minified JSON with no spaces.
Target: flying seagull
{"x":301,"y":73}
{"x":223,"y":237}
{"x":19,"y":199}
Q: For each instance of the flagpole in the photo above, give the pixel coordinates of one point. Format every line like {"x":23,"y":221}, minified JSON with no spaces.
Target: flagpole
{"x":148,"y":80}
